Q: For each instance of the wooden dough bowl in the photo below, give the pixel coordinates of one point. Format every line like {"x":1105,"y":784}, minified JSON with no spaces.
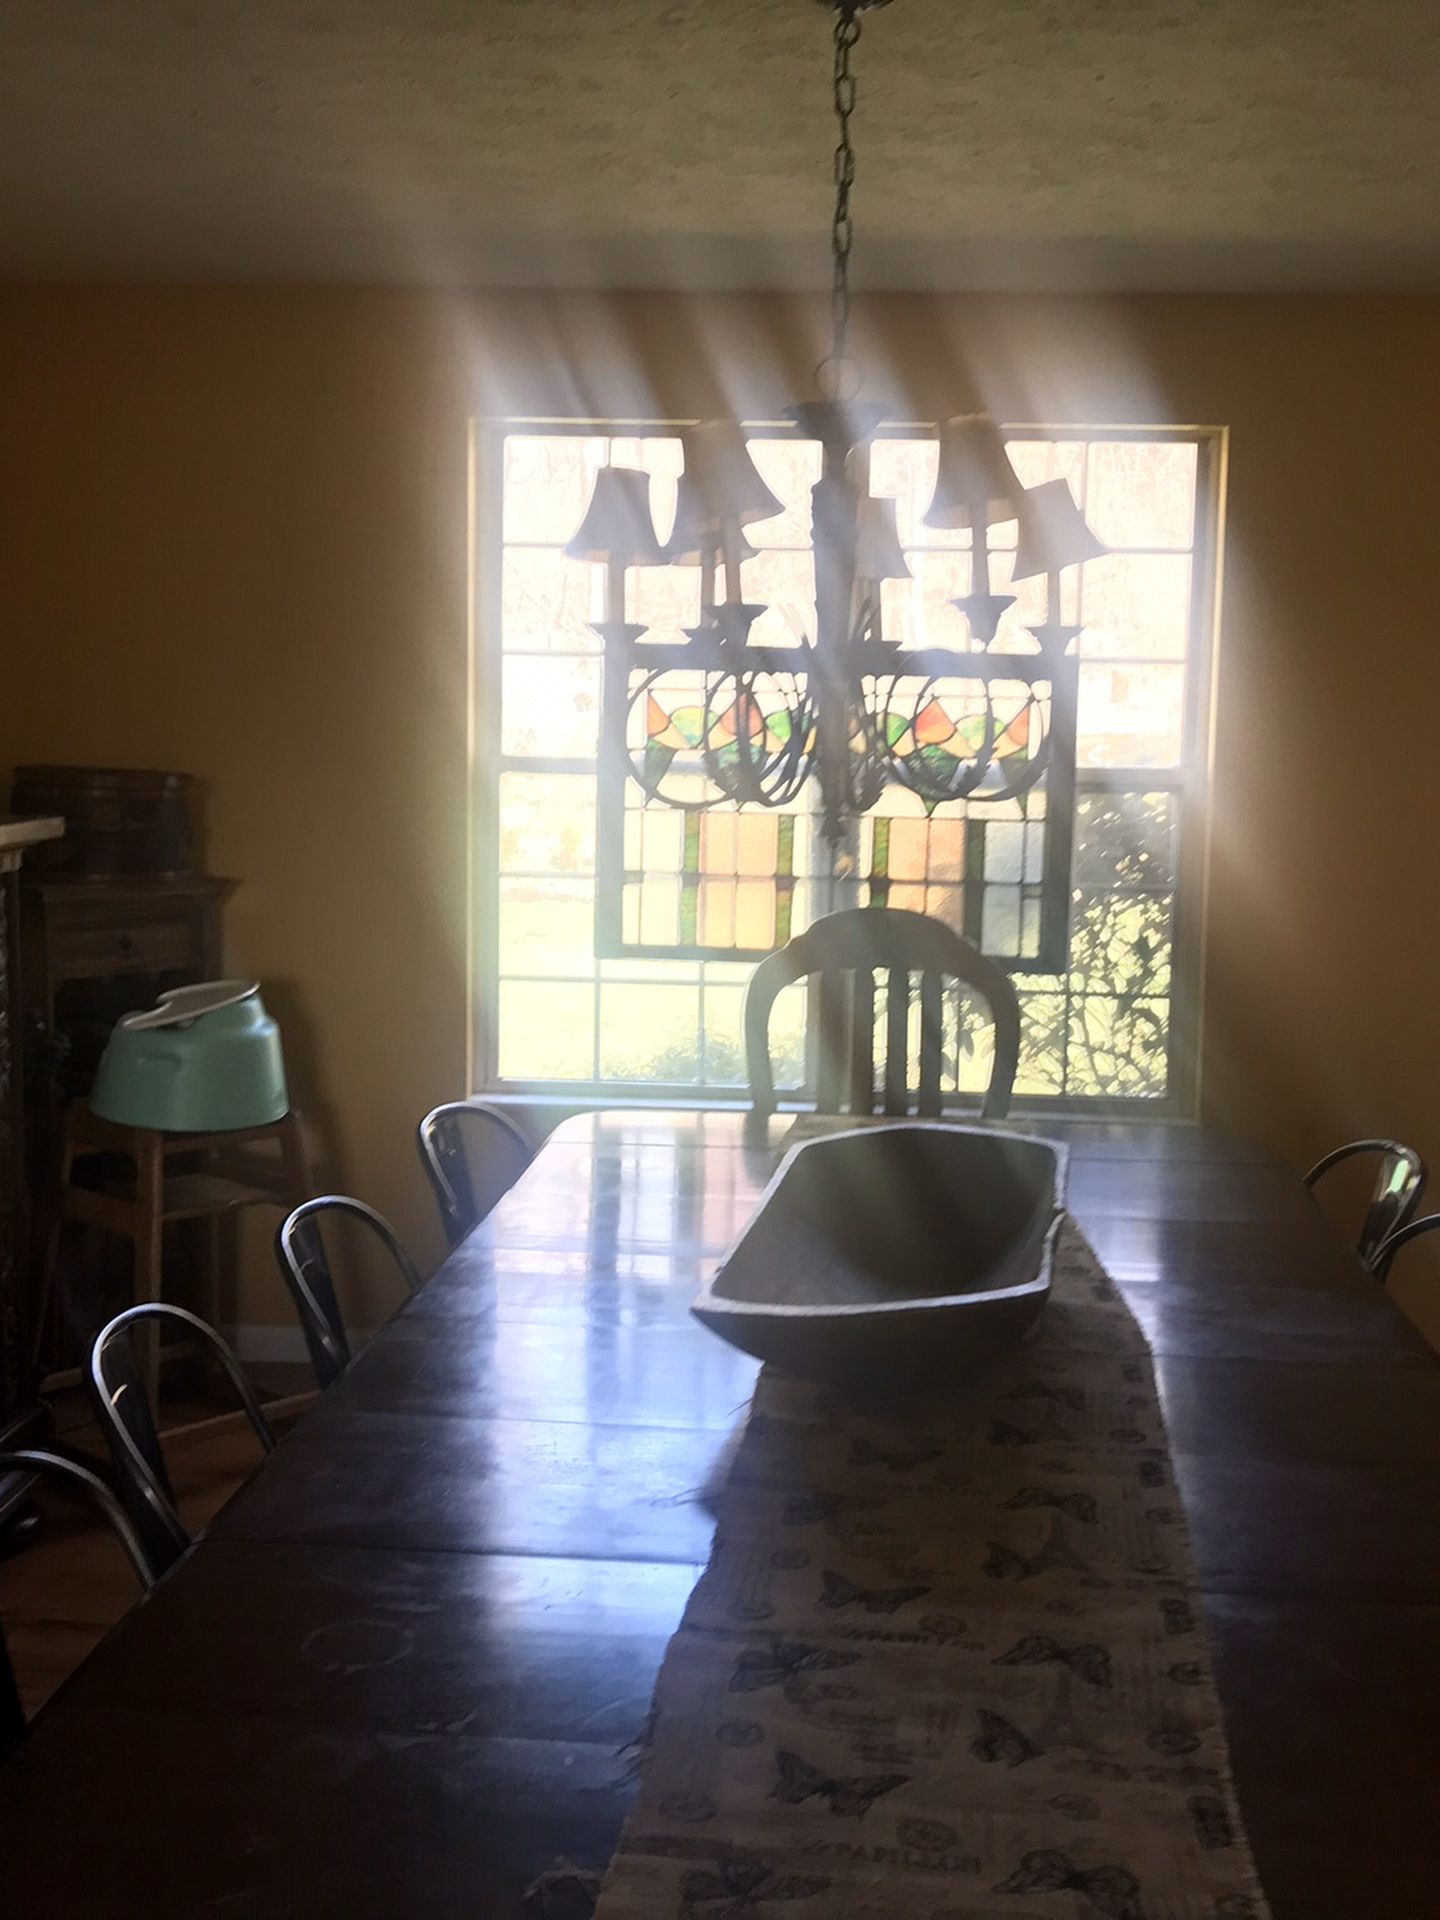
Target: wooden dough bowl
{"x":893,"y":1254}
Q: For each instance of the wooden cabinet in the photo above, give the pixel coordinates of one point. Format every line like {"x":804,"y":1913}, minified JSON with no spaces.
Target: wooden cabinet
{"x":96,"y":949}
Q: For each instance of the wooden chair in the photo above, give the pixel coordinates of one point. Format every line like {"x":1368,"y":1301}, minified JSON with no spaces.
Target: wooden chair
{"x":1399,"y":1183}
{"x":251,"y":1166}
{"x":126,"y":1419}
{"x":472,"y":1154}
{"x":846,"y":950}
{"x":305,"y":1264}
{"x":53,"y":1466}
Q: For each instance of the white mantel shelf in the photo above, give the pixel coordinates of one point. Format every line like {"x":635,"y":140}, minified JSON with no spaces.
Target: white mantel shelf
{"x":18,"y":834}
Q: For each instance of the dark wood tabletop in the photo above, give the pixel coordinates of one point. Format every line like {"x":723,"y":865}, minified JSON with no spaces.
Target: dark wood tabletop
{"x":399,"y":1675}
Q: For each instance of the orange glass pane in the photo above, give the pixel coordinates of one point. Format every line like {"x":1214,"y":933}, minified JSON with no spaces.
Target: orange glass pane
{"x":755,"y":914}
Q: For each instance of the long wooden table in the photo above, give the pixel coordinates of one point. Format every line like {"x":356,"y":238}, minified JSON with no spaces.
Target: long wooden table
{"x":397,"y":1677}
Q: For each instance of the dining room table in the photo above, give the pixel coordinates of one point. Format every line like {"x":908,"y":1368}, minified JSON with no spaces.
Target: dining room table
{"x":406,"y":1670}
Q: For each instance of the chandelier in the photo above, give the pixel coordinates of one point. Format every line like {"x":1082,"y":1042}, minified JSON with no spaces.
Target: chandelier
{"x":845,"y":706}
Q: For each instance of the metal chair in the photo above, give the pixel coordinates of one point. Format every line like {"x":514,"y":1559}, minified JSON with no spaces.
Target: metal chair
{"x":1389,"y":1247}
{"x":126,"y":1419}
{"x":846,"y":950}
{"x":305,"y":1264}
{"x":53,"y":1466}
{"x":465,"y":1143}
{"x":1399,"y":1183}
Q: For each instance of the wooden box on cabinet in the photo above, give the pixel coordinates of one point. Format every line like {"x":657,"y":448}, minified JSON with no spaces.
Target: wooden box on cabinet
{"x":96,"y":949}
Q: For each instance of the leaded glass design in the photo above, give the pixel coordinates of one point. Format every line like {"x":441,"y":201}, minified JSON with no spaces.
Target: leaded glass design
{"x":682,"y":886}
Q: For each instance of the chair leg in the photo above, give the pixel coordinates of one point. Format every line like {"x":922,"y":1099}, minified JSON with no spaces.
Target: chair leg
{"x":295,"y":1161}
{"x":149,"y":1243}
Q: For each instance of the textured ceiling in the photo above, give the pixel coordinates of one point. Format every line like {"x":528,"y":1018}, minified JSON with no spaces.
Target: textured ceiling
{"x":1224,"y":143}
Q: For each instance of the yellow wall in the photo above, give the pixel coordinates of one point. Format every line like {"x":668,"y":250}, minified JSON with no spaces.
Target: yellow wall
{"x":235,"y":534}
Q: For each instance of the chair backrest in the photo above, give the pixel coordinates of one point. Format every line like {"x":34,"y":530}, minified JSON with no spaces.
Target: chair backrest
{"x":1399,"y":1182}
{"x":1385,"y":1253}
{"x":846,"y":950}
{"x":53,"y":1466}
{"x":305,"y":1264}
{"x":472,"y":1154}
{"x":123,"y":1410}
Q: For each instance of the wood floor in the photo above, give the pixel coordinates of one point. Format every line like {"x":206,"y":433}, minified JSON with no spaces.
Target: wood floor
{"x":61,"y":1593}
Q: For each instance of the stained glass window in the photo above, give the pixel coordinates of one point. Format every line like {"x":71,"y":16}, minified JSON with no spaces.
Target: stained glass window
{"x":615,"y":933}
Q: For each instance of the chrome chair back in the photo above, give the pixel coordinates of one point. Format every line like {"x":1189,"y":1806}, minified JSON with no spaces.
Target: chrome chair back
{"x":1399,"y":1183}
{"x":305,"y":1265}
{"x":69,"y":1473}
{"x":124,"y":1412}
{"x":472,"y":1154}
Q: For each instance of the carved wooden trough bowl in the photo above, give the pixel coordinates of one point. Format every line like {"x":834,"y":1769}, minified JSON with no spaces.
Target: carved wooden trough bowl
{"x":893,"y":1254}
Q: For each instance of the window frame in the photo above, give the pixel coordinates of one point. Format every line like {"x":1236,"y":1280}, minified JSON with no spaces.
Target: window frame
{"x":1189,"y":781}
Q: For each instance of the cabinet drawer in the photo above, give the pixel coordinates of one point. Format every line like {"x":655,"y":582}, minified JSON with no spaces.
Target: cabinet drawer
{"x":142,"y":946}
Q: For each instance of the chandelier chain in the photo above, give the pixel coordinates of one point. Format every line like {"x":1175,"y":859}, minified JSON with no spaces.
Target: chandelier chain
{"x":842,"y":227}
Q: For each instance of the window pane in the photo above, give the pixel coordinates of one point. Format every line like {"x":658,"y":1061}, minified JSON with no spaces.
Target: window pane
{"x":1136,"y":603}
{"x":649,"y":1032}
{"x":547,"y":1031}
{"x":1141,"y":493}
{"x":1130,"y":716}
{"x":1116,"y":1049}
{"x":1120,"y":943}
{"x":784,"y":584}
{"x":1124,"y":840}
{"x":547,"y":601}
{"x":790,"y":469}
{"x":724,"y":1039}
{"x":547,"y":823}
{"x":550,"y":707}
{"x":547,"y":926}
{"x":1042,"y":1045}
{"x":905,"y":470}
{"x":548,"y":477}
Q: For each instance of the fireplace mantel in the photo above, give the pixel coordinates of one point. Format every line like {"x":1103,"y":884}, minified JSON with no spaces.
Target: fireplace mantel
{"x":18,"y":1410}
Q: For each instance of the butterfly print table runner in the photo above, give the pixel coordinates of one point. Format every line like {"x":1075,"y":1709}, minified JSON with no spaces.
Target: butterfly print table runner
{"x":947,"y":1660}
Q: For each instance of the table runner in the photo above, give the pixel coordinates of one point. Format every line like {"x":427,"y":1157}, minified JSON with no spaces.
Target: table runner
{"x":947,"y":1660}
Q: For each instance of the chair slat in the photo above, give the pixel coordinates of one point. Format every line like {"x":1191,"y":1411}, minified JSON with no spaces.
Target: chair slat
{"x":830,"y":1027}
{"x":862,"y":1042}
{"x":871,"y":939}
{"x":897,"y":1041}
{"x":932,"y":1041}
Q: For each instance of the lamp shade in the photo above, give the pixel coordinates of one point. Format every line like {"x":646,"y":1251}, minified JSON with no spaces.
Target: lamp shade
{"x":1053,"y":532}
{"x":696,"y":534}
{"x":617,"y":525}
{"x":878,"y":554}
{"x":724,"y":482}
{"x":975,"y":479}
